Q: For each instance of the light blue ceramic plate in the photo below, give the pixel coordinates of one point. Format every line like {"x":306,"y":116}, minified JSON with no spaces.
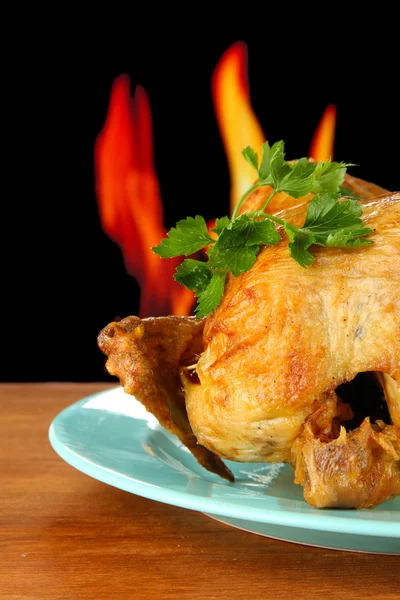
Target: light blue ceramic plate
{"x":112,"y":438}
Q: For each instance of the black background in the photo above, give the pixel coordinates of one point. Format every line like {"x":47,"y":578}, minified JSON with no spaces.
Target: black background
{"x":67,"y":278}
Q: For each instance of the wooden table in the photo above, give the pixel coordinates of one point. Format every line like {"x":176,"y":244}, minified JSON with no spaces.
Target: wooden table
{"x":66,"y":536}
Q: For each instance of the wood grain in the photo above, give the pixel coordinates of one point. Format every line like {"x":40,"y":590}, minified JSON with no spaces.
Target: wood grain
{"x":66,"y":536}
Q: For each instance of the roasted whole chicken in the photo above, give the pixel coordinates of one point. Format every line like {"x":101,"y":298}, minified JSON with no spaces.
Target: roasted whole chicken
{"x":261,"y":378}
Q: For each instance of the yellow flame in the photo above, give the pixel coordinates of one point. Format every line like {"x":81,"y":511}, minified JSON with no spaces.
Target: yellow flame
{"x":236,"y":120}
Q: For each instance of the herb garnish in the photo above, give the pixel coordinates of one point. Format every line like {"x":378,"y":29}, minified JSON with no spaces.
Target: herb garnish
{"x":329,"y":222}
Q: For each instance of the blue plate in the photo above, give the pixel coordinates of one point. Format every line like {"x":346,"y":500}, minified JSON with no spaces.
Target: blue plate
{"x":111,"y":437}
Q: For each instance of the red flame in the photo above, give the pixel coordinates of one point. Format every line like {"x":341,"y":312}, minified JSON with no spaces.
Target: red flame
{"x":127,"y":187}
{"x":129,"y":199}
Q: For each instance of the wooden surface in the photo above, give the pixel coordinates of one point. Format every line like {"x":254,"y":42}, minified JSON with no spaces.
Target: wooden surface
{"x":64,"y":535}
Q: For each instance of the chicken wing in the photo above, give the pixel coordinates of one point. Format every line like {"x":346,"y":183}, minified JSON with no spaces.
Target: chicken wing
{"x":147,"y":356}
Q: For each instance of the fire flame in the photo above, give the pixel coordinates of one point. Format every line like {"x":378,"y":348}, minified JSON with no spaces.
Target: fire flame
{"x":129,"y":200}
{"x":237,"y":122}
{"x":323,"y":140}
{"x":127,"y":188}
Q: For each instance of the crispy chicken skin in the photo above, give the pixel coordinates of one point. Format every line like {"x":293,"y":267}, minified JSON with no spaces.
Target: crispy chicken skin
{"x":283,"y":335}
{"x":271,"y":357}
{"x":146,"y":355}
{"x":358,"y":469}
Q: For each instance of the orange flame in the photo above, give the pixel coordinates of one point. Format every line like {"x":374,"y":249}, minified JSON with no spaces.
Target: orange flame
{"x":322,"y":143}
{"x":127,"y":187}
{"x":238,"y":125}
{"x":129,"y":200}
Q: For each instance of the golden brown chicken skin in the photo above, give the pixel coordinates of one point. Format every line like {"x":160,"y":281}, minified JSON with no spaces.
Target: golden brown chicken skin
{"x":260,"y":385}
{"x":284,"y":337}
{"x":147,"y":355}
{"x":360,"y":468}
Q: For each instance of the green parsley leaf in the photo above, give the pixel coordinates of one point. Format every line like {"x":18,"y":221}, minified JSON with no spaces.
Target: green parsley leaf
{"x":210,"y":298}
{"x":249,"y":231}
{"x":299,"y":243}
{"x":329,"y":222}
{"x":236,"y":259}
{"x":265,"y":170}
{"x":189,"y":236}
{"x":237,"y":246}
{"x":327,"y":216}
{"x":251,"y":156}
{"x":276,"y":152}
{"x":348,"y":193}
{"x":322,"y":167}
{"x":195,"y":275}
{"x":262,"y":232}
{"x":347,"y":238}
{"x":220,"y":224}
{"x":299,"y":181}
{"x":329,"y":176}
{"x":278,"y":166}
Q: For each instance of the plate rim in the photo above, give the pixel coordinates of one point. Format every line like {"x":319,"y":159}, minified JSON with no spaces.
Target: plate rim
{"x":191,"y":501}
{"x":288,"y":540}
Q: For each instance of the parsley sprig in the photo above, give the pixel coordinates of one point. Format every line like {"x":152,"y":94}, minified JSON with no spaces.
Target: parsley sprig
{"x":329,"y":222}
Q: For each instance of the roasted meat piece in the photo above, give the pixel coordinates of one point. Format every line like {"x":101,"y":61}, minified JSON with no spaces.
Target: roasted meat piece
{"x":284,"y":337}
{"x":147,"y":355}
{"x":259,"y":382}
{"x":357,"y":469}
